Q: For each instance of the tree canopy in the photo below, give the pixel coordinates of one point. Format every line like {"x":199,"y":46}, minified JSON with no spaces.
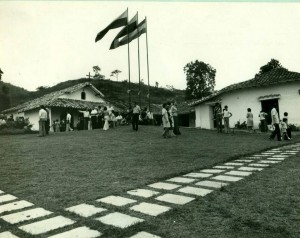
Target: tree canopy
{"x":272,"y":64}
{"x":200,"y":79}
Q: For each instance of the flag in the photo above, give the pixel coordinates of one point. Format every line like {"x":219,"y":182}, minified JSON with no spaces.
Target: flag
{"x":132,"y":25}
{"x":118,"y":22}
{"x":141,"y":28}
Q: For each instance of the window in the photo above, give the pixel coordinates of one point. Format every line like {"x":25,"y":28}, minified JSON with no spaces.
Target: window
{"x":83,"y":95}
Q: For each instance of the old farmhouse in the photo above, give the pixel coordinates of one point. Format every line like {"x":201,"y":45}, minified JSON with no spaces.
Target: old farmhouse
{"x":71,"y":99}
{"x":260,"y":93}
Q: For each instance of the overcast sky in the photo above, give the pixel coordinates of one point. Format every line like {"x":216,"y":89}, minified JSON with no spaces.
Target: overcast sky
{"x":43,"y":43}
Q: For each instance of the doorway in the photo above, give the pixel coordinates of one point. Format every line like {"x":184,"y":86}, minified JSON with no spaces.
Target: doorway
{"x":267,"y":105}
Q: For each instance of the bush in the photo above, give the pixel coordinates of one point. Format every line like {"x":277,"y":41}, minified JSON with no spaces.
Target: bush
{"x":294,"y":127}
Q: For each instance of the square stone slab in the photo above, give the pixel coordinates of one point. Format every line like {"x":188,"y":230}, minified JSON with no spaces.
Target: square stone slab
{"x":268,"y":153}
{"x":119,"y":220}
{"x":144,"y":234}
{"x":85,"y":210}
{"x":281,"y":156}
{"x":116,"y":200}
{"x":44,"y":226}
{"x":198,"y":175}
{"x":1,"y":192}
{"x":195,"y":191}
{"x":234,"y":164}
{"x":238,"y":173}
{"x":250,"y":169}
{"x":7,"y":234}
{"x":175,"y":199}
{"x":244,"y":160}
{"x":181,"y":180}
{"x":7,"y":198}
{"x":224,"y":167}
{"x":268,"y":161}
{"x":212,"y":171}
{"x":165,"y":186}
{"x":80,"y":232}
{"x":258,"y":155}
{"x":212,"y":184}
{"x":146,"y":193}
{"x":150,"y":208}
{"x":25,"y":215}
{"x":258,"y":165}
{"x":14,"y":206}
{"x":227,"y":178}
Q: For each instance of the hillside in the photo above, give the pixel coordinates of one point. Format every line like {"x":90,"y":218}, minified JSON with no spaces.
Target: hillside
{"x":112,"y":90}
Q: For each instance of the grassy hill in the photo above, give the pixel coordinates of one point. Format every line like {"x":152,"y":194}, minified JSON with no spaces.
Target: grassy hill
{"x":112,"y":90}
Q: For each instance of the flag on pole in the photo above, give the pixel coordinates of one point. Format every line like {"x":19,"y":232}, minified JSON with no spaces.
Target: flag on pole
{"x":141,"y":28}
{"x":132,"y":25}
{"x":118,"y":22}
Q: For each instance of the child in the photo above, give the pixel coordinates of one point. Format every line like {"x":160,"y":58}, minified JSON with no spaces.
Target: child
{"x":284,"y":128}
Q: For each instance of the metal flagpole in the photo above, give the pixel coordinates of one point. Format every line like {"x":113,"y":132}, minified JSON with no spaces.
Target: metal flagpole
{"x":140,"y":103}
{"x":129,"y":86}
{"x":147,"y":64}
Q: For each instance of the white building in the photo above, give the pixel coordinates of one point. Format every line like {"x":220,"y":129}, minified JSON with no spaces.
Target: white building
{"x":72,"y":99}
{"x":277,"y":86}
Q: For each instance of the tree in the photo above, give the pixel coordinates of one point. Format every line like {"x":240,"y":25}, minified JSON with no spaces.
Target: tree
{"x":273,"y":64}
{"x":156,"y":84}
{"x":5,"y":89}
{"x":41,"y":88}
{"x":97,"y":70}
{"x":200,"y":79}
{"x":115,"y":73}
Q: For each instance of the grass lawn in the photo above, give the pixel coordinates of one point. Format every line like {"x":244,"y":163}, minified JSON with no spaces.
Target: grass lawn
{"x":66,"y":169}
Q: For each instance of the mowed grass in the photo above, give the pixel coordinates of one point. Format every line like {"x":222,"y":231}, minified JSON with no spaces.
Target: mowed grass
{"x":66,"y":169}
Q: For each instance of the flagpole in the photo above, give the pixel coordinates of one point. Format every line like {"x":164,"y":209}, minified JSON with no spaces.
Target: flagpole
{"x":129,"y":87}
{"x":139,"y":63}
{"x":148,"y":65}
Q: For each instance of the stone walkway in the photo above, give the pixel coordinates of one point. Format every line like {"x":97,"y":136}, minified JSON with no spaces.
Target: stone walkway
{"x":145,"y":202}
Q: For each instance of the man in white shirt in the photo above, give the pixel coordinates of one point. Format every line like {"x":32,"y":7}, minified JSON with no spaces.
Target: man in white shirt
{"x":68,"y":122}
{"x":226,"y":116}
{"x":135,"y":116}
{"x":275,"y":123}
{"x":42,"y":121}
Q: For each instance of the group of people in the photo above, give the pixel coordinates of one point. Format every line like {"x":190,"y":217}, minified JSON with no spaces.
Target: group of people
{"x":220,"y":115}
{"x":170,"y":119}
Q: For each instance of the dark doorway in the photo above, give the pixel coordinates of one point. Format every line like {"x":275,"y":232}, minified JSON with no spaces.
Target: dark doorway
{"x":266,"y":106}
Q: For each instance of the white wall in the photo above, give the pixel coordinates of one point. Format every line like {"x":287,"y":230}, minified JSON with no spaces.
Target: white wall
{"x":33,"y":116}
{"x":89,"y":93}
{"x":239,"y":101}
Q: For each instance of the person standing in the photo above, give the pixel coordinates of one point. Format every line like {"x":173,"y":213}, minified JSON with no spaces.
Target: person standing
{"x":47,"y":123}
{"x":86,"y":117}
{"x":135,"y":116}
{"x":174,"y":114}
{"x":94,"y":114}
{"x":218,"y":117}
{"x":263,"y":124}
{"x":226,"y":116}
{"x":166,"y":121}
{"x":249,"y":119}
{"x":288,"y":129}
{"x":68,"y":121}
{"x":42,"y":121}
{"x":106,"y":119}
{"x":275,"y":123}
{"x":100,"y":117}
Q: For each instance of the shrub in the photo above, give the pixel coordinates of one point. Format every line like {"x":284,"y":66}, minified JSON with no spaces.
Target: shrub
{"x":294,"y":127}
{"x":19,"y":126}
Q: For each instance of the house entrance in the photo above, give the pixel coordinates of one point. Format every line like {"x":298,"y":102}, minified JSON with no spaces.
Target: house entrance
{"x":266,"y":106}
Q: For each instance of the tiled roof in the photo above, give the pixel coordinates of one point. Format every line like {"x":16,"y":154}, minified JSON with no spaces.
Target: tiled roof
{"x":52,"y":99}
{"x":273,"y":77}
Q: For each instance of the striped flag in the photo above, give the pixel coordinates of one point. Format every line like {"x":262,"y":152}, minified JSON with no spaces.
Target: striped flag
{"x":118,"y":22}
{"x":141,"y":28}
{"x":132,"y":25}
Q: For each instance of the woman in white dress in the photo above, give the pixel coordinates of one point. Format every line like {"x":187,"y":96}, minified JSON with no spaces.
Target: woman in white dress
{"x":106,"y":119}
{"x":165,"y":121}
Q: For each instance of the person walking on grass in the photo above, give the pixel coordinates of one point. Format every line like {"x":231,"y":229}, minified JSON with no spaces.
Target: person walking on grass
{"x":284,"y":128}
{"x":249,"y":120}
{"x":135,"y":116}
{"x":226,"y":116}
{"x":174,"y":115}
{"x":288,"y":129}
{"x":263,"y":124}
{"x":166,"y":121}
{"x":275,"y":123}
{"x":218,"y":117}
{"x":42,"y":121}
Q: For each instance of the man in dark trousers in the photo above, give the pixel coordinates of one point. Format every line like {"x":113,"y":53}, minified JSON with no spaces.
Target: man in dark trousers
{"x":275,"y":123}
{"x":135,"y":116}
